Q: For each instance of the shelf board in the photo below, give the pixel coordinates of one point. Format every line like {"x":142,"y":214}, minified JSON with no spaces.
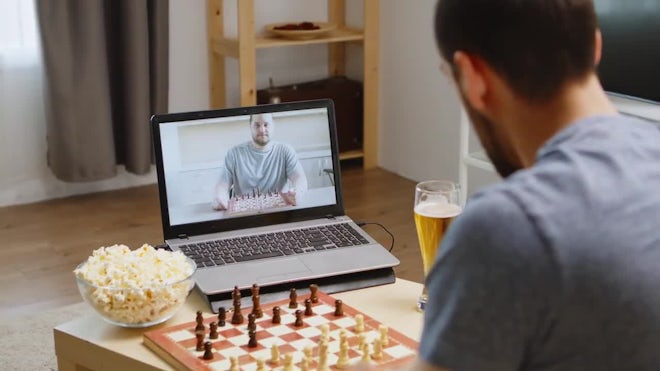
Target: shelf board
{"x":350,"y":155}
{"x":335,"y":36}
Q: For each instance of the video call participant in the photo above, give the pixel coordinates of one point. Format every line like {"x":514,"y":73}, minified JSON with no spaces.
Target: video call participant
{"x":261,"y":165}
{"x":556,"y":267}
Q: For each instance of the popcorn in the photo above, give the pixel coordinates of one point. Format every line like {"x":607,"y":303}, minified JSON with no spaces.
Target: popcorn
{"x":135,"y":286}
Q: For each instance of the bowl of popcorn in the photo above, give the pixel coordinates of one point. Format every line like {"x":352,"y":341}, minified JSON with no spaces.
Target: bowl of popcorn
{"x":135,"y":288}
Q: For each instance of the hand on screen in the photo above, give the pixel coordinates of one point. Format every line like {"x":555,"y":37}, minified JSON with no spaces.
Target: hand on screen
{"x":289,"y":197}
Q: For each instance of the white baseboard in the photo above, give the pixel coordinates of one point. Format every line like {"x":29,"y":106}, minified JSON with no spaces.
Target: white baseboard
{"x":49,"y":187}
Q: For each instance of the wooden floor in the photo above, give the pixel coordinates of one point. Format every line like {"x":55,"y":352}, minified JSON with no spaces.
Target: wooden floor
{"x":43,"y":242}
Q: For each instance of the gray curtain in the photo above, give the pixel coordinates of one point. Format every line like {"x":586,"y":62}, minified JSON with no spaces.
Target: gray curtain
{"x":106,"y":66}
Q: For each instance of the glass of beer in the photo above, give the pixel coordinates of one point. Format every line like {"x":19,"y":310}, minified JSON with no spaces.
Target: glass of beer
{"x":437,"y":203}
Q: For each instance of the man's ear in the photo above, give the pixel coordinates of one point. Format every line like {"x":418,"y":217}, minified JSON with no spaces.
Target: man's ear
{"x":471,"y":79}
{"x":598,"y":47}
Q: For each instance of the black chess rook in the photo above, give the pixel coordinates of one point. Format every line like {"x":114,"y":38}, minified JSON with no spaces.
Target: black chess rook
{"x":293,"y":298}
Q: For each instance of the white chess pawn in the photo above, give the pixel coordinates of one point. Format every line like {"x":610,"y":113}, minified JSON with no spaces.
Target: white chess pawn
{"x":378,"y":349}
{"x":233,"y":360}
{"x":359,"y":323}
{"x":365,"y":353}
{"x":260,"y":365}
{"x":342,"y":361}
{"x":384,"y":339}
{"x":288,"y":362}
{"x":275,"y":355}
{"x":325,"y":331}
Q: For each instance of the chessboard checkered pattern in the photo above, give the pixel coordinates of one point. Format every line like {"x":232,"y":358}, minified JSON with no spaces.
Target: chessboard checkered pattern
{"x":176,"y":344}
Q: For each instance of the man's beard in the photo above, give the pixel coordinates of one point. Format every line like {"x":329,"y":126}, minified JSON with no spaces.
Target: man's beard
{"x":262,"y":141}
{"x":495,"y":149}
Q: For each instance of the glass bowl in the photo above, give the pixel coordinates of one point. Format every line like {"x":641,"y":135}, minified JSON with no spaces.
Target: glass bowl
{"x":137,"y":307}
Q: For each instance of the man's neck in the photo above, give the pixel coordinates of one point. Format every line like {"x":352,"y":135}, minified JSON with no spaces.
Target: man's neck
{"x":535,"y":125}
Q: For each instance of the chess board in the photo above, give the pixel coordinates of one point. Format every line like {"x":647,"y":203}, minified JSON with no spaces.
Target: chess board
{"x":257,"y":202}
{"x":176,"y":344}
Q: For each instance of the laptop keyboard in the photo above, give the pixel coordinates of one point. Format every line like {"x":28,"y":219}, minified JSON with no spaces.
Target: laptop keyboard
{"x":299,"y":241}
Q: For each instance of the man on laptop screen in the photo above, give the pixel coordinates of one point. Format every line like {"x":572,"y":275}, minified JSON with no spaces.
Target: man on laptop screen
{"x":260,"y":168}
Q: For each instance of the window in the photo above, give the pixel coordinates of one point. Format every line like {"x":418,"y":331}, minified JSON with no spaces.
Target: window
{"x":19,"y":41}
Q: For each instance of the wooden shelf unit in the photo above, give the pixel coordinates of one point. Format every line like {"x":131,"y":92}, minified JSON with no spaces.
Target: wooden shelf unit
{"x":244,"y":48}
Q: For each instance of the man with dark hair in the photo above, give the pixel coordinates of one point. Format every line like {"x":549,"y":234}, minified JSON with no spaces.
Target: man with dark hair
{"x":558,"y":266}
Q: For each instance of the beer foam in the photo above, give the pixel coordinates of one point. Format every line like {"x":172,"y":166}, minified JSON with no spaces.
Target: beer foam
{"x":434,"y":209}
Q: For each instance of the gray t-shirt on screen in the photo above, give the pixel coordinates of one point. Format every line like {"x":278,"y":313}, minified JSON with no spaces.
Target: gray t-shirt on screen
{"x":267,"y":170}
{"x":558,"y":267}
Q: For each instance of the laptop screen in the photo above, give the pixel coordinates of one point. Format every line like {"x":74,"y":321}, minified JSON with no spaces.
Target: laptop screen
{"x":235,"y":168}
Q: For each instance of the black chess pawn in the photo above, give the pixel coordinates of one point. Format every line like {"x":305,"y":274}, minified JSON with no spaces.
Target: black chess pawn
{"x":252,"y":324}
{"x":293,"y":297}
{"x":208,"y":350}
{"x":339,"y":308}
{"x":276,"y":315}
{"x":299,"y":320}
{"x":200,"y":342}
{"x":199,"y":318}
{"x":213,"y":332}
{"x":308,"y":307}
{"x":252,"y":343}
{"x":222,"y":316}
{"x":313,"y":289}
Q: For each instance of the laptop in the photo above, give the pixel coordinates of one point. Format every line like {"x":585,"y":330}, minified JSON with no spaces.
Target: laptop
{"x":207,"y":208}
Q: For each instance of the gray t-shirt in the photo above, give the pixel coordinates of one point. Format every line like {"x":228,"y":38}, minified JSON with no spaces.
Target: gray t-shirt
{"x":557,"y":267}
{"x":267,"y":170}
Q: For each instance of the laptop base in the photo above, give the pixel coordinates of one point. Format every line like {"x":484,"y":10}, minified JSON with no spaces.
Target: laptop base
{"x":329,"y":285}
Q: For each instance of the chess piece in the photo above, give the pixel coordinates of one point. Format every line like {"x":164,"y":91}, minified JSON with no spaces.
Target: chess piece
{"x":342,"y":336}
{"x":199,"y":318}
{"x":362,"y":342}
{"x":339,"y":308}
{"x":222,"y":316}
{"x":365,"y":353}
{"x":200,"y":341}
{"x":233,"y":363}
{"x":256,"y":307}
{"x":255,"y":290}
{"x":323,"y":356}
{"x":288,"y":362}
{"x":299,"y":321}
{"x":213,"y":332}
{"x":308,"y":307}
{"x":236,"y":294}
{"x":274,"y":355}
{"x":307,"y":352}
{"x":276,"y":315}
{"x":200,"y":322}
{"x":260,"y":364}
{"x":293,"y":297}
{"x":359,"y":323}
{"x":252,"y":343}
{"x":304,"y":364}
{"x":208,"y":350}
{"x":252,"y":324}
{"x":325,"y":332}
{"x":313,"y":289}
{"x":237,"y":316}
{"x":378,"y":349}
{"x":384,"y":339}
{"x":342,"y":361}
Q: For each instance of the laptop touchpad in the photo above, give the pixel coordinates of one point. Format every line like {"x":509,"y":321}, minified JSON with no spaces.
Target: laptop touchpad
{"x":280,"y":270}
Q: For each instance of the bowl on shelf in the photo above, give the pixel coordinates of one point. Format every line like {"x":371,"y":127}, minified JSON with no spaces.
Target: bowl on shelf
{"x":131,"y":303}
{"x":300,"y":30}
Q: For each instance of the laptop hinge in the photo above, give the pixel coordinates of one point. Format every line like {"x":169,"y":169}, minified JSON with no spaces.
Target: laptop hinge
{"x":183,"y":236}
{"x":330,"y":216}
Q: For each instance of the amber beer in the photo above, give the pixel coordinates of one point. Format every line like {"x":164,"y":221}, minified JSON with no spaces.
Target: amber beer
{"x":432,"y":220}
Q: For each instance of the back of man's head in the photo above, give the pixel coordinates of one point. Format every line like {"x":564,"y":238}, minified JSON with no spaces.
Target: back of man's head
{"x":537,"y":46}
